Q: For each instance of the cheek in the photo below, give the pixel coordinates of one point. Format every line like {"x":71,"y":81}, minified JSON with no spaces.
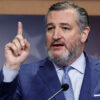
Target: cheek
{"x":48,"y":40}
{"x":71,"y":41}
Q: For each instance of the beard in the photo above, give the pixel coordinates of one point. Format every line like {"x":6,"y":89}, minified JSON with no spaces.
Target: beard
{"x":68,"y":56}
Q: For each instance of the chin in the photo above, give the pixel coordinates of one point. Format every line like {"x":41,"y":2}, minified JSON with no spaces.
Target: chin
{"x":57,"y":54}
{"x":59,"y":59}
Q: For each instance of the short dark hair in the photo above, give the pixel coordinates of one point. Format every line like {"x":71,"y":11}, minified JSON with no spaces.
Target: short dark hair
{"x":82,"y":15}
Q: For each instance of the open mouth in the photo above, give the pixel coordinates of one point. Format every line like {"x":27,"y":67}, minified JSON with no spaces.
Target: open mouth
{"x":57,"y":45}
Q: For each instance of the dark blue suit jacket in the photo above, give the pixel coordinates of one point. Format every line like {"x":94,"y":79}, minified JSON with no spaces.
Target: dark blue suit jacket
{"x":39,"y":81}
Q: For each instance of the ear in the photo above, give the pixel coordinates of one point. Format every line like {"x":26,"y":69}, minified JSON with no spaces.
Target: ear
{"x":84,"y":34}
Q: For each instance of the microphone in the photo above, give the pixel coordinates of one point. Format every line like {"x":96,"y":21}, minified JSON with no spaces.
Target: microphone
{"x":64,"y":87}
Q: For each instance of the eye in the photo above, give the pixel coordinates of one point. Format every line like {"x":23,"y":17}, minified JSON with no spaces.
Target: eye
{"x":65,"y":28}
{"x":50,"y":28}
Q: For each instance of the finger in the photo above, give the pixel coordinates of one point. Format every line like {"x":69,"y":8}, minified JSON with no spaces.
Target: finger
{"x":16,"y":42}
{"x":12,"y":48}
{"x":20,"y":30}
{"x":27,"y":45}
{"x":21,"y":42}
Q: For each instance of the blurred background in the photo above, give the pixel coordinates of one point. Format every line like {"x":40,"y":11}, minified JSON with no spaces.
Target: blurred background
{"x":32,"y":14}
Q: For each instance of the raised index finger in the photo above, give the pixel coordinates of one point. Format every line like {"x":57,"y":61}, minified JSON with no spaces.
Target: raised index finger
{"x":20,"y":30}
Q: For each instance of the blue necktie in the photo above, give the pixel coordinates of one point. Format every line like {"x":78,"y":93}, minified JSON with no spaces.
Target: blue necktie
{"x":69,"y":94}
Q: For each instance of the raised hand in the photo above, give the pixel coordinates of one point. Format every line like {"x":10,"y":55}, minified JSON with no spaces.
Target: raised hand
{"x":17,"y":50}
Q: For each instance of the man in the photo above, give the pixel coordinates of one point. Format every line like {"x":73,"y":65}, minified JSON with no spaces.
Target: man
{"x":67,"y":30}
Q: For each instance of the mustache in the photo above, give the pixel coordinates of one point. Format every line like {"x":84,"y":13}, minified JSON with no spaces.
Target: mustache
{"x":57,"y":42}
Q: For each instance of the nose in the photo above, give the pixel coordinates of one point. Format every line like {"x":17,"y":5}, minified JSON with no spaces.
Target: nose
{"x":56,"y":34}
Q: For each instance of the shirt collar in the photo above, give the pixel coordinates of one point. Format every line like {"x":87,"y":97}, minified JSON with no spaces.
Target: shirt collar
{"x":79,"y":64}
{"x":57,"y":67}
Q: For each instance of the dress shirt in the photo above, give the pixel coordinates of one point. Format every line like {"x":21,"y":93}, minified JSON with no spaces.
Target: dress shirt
{"x":76,"y":74}
{"x":9,"y":74}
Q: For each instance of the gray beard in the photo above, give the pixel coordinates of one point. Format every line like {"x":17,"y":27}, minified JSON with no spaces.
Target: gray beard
{"x":67,"y":57}
{"x":62,"y":60}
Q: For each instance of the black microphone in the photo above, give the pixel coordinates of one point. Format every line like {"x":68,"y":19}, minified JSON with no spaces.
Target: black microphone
{"x":64,"y":87}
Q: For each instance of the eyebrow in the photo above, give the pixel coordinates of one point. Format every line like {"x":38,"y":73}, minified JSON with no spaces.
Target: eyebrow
{"x":49,"y":24}
{"x":66,"y":24}
{"x":60,"y":24}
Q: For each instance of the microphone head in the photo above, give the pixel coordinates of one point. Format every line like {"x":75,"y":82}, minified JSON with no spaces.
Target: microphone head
{"x":65,"y":87}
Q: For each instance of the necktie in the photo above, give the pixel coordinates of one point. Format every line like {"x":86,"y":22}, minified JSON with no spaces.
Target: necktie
{"x":69,"y":94}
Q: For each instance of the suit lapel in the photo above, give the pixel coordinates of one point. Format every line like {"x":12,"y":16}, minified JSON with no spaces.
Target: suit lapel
{"x":91,"y":78}
{"x":48,"y":75}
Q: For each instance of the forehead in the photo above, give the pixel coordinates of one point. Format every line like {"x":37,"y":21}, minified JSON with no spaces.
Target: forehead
{"x":68,"y":15}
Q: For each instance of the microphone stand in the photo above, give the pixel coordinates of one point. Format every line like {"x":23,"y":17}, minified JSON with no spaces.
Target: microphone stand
{"x":55,"y":94}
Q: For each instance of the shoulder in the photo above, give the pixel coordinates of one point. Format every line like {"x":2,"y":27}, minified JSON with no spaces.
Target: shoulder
{"x":32,"y":68}
{"x":92,"y":60}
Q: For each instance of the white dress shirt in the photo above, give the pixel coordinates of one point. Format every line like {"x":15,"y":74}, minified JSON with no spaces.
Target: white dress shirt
{"x":76,"y":74}
{"x":9,"y":74}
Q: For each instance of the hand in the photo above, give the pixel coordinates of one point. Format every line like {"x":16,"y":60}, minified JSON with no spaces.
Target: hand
{"x":17,"y":50}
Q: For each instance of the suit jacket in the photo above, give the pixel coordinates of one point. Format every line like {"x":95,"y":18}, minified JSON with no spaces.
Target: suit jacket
{"x":39,"y":81}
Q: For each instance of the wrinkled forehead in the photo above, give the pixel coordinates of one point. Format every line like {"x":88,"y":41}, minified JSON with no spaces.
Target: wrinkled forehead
{"x":67,"y":15}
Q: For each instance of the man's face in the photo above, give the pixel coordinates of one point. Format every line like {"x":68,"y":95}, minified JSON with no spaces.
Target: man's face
{"x":62,"y":32}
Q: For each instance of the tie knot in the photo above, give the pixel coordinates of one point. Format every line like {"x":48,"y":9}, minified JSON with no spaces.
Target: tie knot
{"x":67,"y":69}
